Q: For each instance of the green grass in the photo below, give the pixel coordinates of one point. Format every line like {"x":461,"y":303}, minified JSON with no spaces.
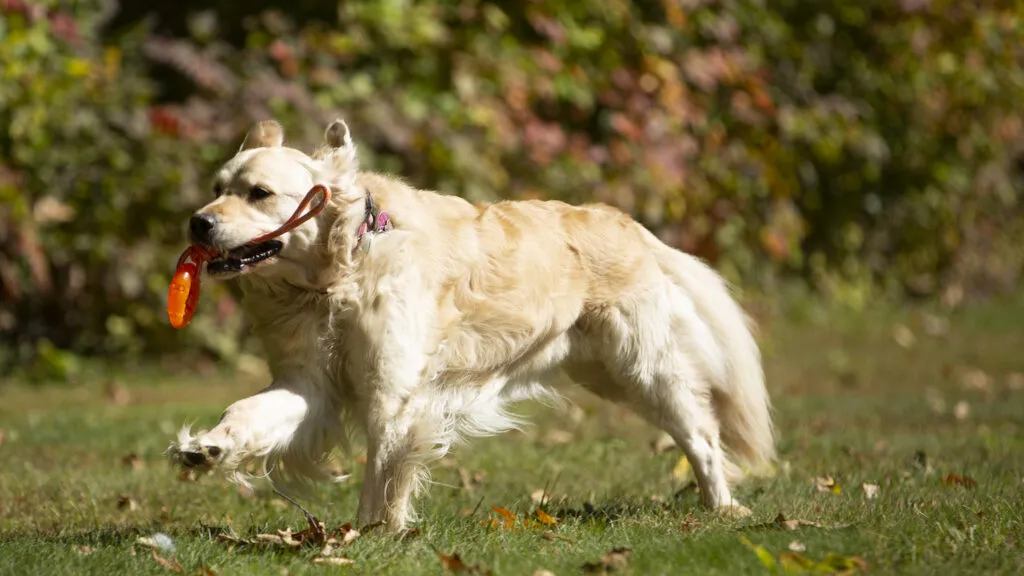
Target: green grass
{"x":851,"y":403}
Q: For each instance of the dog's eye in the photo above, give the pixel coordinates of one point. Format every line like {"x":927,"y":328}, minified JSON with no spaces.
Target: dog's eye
{"x":259,"y":193}
{"x":218,"y":189}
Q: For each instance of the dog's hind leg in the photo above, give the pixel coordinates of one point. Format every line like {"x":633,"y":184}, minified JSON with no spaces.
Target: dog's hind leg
{"x":645,"y":347}
{"x":673,"y":403}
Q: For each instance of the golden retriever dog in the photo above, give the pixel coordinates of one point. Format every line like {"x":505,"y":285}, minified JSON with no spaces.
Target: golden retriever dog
{"x":422,"y":332}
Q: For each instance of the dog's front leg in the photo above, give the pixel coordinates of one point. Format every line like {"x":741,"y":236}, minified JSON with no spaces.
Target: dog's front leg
{"x":404,"y":434}
{"x":266,"y":424}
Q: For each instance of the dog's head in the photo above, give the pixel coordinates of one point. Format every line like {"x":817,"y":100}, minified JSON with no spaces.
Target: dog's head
{"x":258,"y":190}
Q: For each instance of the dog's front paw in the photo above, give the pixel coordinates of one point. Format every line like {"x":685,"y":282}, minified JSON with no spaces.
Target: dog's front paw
{"x":194,"y":452}
{"x":733,"y":511}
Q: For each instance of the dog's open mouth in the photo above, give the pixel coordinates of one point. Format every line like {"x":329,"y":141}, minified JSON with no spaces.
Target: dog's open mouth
{"x":237,"y":260}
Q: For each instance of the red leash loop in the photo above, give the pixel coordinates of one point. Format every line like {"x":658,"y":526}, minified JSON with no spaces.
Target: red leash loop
{"x":183,"y":294}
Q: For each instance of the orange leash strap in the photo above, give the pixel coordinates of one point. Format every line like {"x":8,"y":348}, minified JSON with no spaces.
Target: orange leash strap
{"x":183,"y":294}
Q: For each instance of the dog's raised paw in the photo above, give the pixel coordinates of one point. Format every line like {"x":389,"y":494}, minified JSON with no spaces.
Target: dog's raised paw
{"x":188,"y":453}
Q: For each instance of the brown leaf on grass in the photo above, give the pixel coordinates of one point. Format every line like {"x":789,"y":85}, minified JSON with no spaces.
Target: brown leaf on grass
{"x":556,"y":436}
{"x":471,"y":481}
{"x":690,"y":523}
{"x":549,"y":535}
{"x":952,"y":479}
{"x":962,"y":410}
{"x":977,"y":380}
{"x":175,"y":567}
{"x":781,"y":522}
{"x":453,"y":563}
{"x":133,"y":461}
{"x":346,"y":534}
{"x":545,"y":518}
{"x":922,"y":462}
{"x":903,"y":336}
{"x":116,"y":393}
{"x":315,"y":533}
{"x":506,"y":515}
{"x":126,"y":503}
{"x":334,"y":561}
{"x":870,"y":490}
{"x":616,"y":559}
{"x":83,"y":550}
{"x":205,"y":571}
{"x":283,"y":537}
{"x":827,"y":484}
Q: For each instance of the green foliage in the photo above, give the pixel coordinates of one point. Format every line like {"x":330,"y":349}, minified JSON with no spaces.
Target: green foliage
{"x":859,"y":145}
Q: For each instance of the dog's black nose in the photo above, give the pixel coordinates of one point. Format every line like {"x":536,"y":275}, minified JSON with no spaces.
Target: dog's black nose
{"x":200,"y":226}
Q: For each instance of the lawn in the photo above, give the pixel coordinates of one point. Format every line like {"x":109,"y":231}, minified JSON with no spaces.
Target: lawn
{"x":900,"y":437}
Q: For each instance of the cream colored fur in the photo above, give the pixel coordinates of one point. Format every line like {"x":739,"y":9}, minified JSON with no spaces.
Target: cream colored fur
{"x":422,"y":335}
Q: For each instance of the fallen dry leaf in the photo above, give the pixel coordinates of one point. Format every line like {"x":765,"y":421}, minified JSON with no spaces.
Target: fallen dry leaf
{"x":785,"y":524}
{"x":508,"y":517}
{"x":616,"y":559}
{"x":952,"y":479}
{"x":827,"y":484}
{"x":870,"y":490}
{"x":556,"y":436}
{"x":83,"y":550}
{"x":962,"y":410}
{"x":545,"y":518}
{"x":690,"y":523}
{"x":133,"y":461}
{"x":935,"y":326}
{"x":935,"y":400}
{"x":797,"y":546}
{"x":471,"y":481}
{"x":126,"y":503}
{"x":176,"y":567}
{"x":976,"y":379}
{"x":549,"y":535}
{"x":453,"y":563}
{"x":283,"y":537}
{"x":334,"y":561}
{"x":922,"y":462}
{"x":117,"y":394}
{"x":903,"y":336}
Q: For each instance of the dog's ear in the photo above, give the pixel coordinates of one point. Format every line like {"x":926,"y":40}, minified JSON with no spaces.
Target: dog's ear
{"x":339,"y":153}
{"x":265,"y":134}
{"x":338,"y":135}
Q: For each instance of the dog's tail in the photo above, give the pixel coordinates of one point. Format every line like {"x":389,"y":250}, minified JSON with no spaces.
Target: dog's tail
{"x":738,"y":391}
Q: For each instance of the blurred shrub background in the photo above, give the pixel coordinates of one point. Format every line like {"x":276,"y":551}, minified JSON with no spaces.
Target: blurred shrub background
{"x":863,"y":148}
